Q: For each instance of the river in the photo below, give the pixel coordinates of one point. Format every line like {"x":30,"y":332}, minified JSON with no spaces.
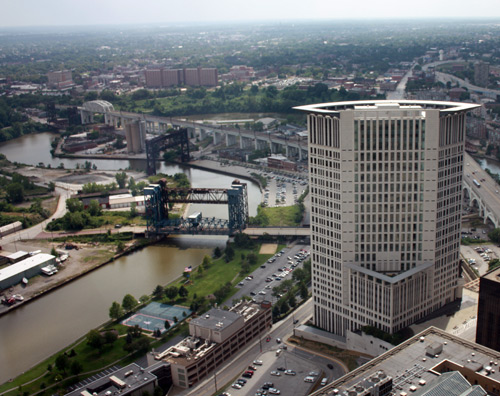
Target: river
{"x":34,"y":331}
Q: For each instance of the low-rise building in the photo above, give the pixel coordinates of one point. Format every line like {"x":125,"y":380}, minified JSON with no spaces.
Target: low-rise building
{"x":279,"y":161}
{"x":214,"y":338}
{"x":432,"y":362}
{"x":27,"y":268}
{"x":131,"y":380}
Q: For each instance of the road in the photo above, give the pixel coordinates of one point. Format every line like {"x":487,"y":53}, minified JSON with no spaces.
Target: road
{"x":226,"y":374}
{"x":400,"y":92}
{"x":65,"y":191}
{"x":489,"y":190}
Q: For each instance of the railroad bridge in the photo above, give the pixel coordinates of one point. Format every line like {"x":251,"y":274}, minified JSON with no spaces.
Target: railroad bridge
{"x":159,"y":198}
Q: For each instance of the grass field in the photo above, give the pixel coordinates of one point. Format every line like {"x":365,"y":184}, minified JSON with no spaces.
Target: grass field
{"x":220,"y":273}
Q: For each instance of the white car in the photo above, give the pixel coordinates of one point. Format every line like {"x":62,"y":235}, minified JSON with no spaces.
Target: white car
{"x":258,"y":362}
{"x":275,"y":373}
{"x":236,"y":386}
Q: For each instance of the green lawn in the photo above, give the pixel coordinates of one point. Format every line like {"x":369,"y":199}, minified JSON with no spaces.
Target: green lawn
{"x":220,"y":273}
{"x":285,"y":216}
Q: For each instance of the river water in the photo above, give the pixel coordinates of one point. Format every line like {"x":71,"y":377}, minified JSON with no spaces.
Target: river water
{"x":31,"y":333}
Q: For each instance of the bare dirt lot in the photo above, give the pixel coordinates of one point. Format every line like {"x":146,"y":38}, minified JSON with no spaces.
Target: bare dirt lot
{"x":80,"y":261}
{"x":73,"y":176}
{"x":268,"y":248}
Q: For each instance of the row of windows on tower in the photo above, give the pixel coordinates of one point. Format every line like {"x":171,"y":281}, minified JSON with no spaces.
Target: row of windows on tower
{"x":387,"y":247}
{"x":388,"y":177}
{"x":388,"y":237}
{"x":388,"y":166}
{"x":385,"y":156}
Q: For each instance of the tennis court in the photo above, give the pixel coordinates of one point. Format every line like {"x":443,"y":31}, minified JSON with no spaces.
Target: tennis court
{"x":154,"y":315}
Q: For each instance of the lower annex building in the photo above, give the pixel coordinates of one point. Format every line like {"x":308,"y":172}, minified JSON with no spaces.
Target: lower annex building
{"x":214,"y":337}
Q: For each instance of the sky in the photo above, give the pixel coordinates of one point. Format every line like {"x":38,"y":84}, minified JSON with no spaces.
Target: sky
{"x":105,"y":12}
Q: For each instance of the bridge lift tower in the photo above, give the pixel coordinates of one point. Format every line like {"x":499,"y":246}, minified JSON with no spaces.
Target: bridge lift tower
{"x":162,"y":142}
{"x":158,"y":199}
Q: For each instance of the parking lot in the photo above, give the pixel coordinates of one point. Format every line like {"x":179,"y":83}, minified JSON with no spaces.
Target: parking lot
{"x":260,"y":283}
{"x":282,"y":190}
{"x":474,"y":258}
{"x":285,"y":384}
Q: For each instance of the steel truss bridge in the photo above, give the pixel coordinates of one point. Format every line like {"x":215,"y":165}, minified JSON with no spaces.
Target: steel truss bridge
{"x":159,"y":198}
{"x":162,"y":142}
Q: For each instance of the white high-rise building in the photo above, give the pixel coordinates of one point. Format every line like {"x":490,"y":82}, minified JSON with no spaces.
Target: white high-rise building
{"x":386,"y":199}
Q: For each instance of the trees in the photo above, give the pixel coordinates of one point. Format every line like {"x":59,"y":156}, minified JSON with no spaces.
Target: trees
{"x":121,"y":179}
{"x":94,"y":208}
{"x":133,"y":210}
{"x":129,"y":302}
{"x":207,"y":261}
{"x":171,"y":292}
{"x":495,"y":235}
{"x":167,"y":325}
{"x":183,"y":292}
{"x":15,"y":193}
{"x":76,"y":367}
{"x":229,"y":253}
{"x":62,"y":362}
{"x":158,"y":291}
{"x":95,"y":339}
{"x":74,"y":205}
{"x":120,"y":246}
{"x":116,"y":311}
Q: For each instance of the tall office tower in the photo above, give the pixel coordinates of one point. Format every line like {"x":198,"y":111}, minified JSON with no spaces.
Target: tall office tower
{"x":481,"y":73}
{"x":386,"y":192}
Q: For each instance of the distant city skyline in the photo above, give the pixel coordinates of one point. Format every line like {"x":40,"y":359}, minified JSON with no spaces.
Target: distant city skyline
{"x":93,"y":12}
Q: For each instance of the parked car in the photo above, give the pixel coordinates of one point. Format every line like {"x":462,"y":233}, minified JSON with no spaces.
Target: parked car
{"x":274,"y":391}
{"x":324,"y":381}
{"x":290,"y":372}
{"x":236,"y":386}
{"x":275,"y":373}
{"x":253,"y":368}
{"x":257,"y":362}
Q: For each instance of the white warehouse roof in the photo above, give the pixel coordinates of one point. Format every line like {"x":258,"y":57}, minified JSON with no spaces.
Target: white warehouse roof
{"x":24,"y":265}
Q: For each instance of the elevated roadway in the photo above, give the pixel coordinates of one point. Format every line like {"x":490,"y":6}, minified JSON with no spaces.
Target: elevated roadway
{"x":292,"y":146}
{"x":485,"y":198}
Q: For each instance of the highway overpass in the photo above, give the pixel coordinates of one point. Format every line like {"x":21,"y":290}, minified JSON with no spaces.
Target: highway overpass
{"x":481,"y":192}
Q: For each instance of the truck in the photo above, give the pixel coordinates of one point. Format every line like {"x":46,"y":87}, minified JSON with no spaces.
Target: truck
{"x":195,"y":219}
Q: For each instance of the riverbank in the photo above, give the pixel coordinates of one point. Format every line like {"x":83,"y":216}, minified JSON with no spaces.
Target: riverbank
{"x":87,"y":258}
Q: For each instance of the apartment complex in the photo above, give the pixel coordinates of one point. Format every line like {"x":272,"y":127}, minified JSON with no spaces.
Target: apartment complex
{"x":386,"y":191}
{"x":163,"y":78}
{"x":60,"y":79}
{"x":481,"y":73}
{"x":488,"y":315}
{"x":214,"y":338}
